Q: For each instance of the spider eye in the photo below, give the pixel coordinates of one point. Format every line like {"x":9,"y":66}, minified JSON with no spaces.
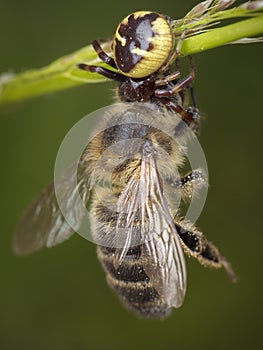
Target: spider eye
{"x":142,"y":43}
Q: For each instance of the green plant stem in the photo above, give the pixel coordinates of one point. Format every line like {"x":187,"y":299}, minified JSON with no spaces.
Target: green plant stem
{"x":63,"y":73}
{"x":222,"y":36}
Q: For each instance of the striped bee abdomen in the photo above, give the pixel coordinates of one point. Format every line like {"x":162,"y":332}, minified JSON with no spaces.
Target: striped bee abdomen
{"x":131,"y":283}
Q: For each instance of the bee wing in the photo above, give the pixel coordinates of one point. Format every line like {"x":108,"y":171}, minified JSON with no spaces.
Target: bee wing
{"x":43,"y":223}
{"x":166,"y":266}
{"x":143,"y":204}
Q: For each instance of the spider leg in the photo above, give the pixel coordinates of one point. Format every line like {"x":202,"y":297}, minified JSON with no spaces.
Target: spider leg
{"x":193,"y":110}
{"x":175,"y":54}
{"x":167,"y":79}
{"x":190,"y":116}
{"x":102,"y":54}
{"x":181,"y":85}
{"x":196,"y":245}
{"x":102,"y":71}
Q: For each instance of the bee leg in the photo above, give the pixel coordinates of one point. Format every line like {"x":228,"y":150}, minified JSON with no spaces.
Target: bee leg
{"x":195,"y":244}
{"x":190,"y":182}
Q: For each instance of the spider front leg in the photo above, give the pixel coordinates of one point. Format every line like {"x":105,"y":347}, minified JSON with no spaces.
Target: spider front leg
{"x":102,"y":54}
{"x":196,"y":245}
{"x":100,"y":70}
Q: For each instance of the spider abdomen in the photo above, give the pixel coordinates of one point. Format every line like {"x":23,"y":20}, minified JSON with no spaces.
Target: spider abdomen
{"x":142,"y":44}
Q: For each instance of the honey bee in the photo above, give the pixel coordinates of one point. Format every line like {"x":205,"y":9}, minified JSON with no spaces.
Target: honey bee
{"x":140,"y":235}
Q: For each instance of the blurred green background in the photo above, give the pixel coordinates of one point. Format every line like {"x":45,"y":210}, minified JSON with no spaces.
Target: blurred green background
{"x":58,"y":298}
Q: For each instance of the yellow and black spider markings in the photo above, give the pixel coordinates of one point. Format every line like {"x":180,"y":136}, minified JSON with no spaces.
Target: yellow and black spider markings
{"x":143,"y":43}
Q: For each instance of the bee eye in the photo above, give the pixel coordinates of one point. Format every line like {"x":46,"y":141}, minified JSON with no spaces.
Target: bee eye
{"x":142,"y":44}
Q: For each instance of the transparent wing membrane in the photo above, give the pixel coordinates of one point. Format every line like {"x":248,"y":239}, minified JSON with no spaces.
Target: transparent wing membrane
{"x":43,"y":224}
